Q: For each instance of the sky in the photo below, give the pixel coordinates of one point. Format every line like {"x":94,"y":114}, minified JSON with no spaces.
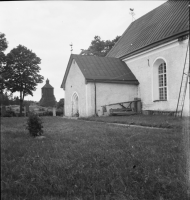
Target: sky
{"x":49,"y":27}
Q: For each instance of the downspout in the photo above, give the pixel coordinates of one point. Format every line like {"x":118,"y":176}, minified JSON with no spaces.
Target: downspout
{"x":95,"y":97}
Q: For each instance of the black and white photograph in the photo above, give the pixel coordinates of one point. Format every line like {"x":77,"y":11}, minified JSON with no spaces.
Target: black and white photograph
{"x":95,"y":100}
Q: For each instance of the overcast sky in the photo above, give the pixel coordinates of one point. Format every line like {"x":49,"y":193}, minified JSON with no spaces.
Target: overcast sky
{"x":49,"y":27}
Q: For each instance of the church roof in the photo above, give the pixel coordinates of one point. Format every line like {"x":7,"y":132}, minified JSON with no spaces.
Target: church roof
{"x":102,"y":69}
{"x":165,"y":23}
{"x":47,"y":85}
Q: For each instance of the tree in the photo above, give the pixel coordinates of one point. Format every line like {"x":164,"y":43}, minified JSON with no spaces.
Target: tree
{"x":15,"y":101}
{"x":60,"y":104}
{"x":22,"y":72}
{"x":3,"y":47}
{"x":99,"y":47}
{"x":5,"y":99}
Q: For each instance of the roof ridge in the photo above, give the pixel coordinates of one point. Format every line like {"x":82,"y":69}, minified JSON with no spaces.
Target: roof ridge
{"x":153,"y":27}
{"x":151,"y":11}
{"x":109,"y":69}
{"x":134,"y":23}
{"x":94,"y":56}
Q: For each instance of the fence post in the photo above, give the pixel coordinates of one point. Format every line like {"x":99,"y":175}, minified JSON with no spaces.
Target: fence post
{"x":54,"y":111}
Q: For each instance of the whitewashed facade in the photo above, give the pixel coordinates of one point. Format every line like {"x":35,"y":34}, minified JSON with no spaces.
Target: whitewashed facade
{"x":145,"y":68}
{"x":80,"y":95}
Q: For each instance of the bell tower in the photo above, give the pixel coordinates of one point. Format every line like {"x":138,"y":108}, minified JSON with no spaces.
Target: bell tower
{"x":48,"y":98}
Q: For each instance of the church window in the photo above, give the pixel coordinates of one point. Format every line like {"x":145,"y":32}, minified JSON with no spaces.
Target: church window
{"x":162,"y":79}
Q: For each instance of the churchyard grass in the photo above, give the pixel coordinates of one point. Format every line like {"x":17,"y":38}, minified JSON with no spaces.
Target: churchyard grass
{"x":88,"y":160}
{"x":160,"y":121}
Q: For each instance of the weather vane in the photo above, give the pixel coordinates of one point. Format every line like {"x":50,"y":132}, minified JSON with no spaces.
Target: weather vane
{"x":71,"y":47}
{"x":132,"y":13}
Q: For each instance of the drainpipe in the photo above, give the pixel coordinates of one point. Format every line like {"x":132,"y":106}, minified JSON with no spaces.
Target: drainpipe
{"x":95,"y":97}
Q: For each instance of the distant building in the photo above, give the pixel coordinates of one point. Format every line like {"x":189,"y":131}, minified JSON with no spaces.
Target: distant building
{"x":48,"y":98}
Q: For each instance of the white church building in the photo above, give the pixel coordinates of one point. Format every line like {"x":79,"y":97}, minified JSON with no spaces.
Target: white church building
{"x":146,"y":63}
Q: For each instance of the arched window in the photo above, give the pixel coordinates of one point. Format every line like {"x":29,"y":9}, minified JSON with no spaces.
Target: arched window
{"x":160,"y":89}
{"x":162,"y":81}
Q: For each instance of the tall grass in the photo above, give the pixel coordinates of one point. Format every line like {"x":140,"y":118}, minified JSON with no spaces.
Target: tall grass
{"x":80,"y":160}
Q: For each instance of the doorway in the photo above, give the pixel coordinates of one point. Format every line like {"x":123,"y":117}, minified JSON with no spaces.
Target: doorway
{"x":75,"y":106}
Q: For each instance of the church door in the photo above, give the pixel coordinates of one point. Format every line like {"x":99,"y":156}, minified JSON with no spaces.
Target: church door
{"x":75,"y":107}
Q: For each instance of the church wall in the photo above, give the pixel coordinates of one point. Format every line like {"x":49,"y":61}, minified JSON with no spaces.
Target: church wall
{"x":75,"y":84}
{"x":108,"y":93}
{"x":143,"y":67}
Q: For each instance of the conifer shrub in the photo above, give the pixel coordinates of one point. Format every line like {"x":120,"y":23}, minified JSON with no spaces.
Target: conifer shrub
{"x":34,"y":125}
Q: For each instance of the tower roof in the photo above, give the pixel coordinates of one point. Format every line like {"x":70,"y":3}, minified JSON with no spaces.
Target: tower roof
{"x":47,"y":85}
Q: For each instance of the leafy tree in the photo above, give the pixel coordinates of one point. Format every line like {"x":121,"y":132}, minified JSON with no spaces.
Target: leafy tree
{"x":5,"y":99}
{"x":99,"y":47}
{"x":15,"y":101}
{"x":3,"y":47}
{"x":60,"y":104}
{"x":22,"y":72}
{"x":3,"y":42}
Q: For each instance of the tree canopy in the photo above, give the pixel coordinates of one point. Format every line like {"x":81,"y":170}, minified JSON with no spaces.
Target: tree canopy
{"x":22,"y":72}
{"x":99,"y":47}
{"x":3,"y":42}
{"x":60,"y":104}
{"x":3,"y":47}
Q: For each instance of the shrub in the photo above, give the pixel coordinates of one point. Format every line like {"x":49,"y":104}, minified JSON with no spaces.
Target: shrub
{"x":9,"y":113}
{"x":59,"y":112}
{"x":48,"y":113}
{"x":34,"y":125}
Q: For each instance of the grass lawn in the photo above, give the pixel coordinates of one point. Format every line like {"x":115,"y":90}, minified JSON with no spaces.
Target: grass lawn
{"x":79,"y":160}
{"x":160,"y":121}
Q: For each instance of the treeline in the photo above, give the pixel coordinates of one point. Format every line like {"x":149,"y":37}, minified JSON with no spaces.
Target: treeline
{"x":7,"y":100}
{"x":99,"y":47}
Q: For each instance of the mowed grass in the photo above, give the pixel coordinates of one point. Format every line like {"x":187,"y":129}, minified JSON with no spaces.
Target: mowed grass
{"x":160,"y":121}
{"x":88,"y":160}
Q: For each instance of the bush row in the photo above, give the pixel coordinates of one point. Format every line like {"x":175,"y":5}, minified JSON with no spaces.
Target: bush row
{"x":10,"y":113}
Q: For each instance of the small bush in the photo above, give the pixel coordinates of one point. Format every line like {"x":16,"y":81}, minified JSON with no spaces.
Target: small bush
{"x":9,"y":113}
{"x":48,"y":113}
{"x":59,"y":112}
{"x":34,"y":125}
